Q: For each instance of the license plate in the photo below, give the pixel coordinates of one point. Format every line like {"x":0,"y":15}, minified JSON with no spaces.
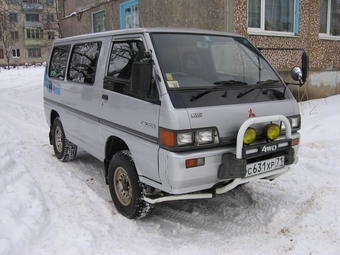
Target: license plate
{"x":265,"y":166}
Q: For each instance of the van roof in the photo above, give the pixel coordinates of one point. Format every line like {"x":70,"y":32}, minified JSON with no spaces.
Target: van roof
{"x":130,"y":31}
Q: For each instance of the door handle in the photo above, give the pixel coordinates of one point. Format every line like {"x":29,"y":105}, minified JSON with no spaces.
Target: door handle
{"x":105,"y":97}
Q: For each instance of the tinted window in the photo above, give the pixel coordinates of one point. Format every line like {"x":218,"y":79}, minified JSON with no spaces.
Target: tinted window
{"x":118,"y":78}
{"x":59,"y":61}
{"x":83,"y":62}
{"x":122,"y":57}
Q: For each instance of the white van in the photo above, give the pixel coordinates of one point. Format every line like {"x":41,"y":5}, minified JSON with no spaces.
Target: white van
{"x":173,"y":113}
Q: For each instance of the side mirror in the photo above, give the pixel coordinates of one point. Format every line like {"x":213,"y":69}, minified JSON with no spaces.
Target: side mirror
{"x":296,"y":73}
{"x":305,"y":67}
{"x":141,"y":76}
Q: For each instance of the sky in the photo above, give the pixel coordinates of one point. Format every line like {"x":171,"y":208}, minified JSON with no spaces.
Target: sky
{"x":51,"y":207}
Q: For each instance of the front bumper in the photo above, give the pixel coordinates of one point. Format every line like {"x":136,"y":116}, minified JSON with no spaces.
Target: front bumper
{"x":224,"y":168}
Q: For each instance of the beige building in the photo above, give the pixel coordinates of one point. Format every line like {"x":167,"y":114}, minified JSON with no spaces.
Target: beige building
{"x":309,"y":25}
{"x":27,"y":29}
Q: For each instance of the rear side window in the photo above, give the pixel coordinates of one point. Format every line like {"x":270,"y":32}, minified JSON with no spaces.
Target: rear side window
{"x":59,"y":61}
{"x":83,"y":63}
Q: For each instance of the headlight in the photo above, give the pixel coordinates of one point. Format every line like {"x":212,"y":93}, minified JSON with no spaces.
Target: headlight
{"x":295,"y":122}
{"x":198,"y":137}
{"x":249,"y":136}
{"x":181,"y":140}
{"x":185,"y":138}
{"x":205,"y":136}
{"x":272,"y":131}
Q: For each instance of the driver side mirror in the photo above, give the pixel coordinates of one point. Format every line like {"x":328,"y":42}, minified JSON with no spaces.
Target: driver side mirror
{"x":296,"y":73}
{"x":301,"y":74}
{"x":141,"y":76}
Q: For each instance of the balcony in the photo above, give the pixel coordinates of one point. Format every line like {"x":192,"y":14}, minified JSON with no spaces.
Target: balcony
{"x":35,"y":42}
{"x":33,"y":24}
{"x":31,"y":6}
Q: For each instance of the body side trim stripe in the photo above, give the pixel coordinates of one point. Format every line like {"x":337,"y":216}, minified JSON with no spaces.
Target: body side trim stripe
{"x":110,"y":124}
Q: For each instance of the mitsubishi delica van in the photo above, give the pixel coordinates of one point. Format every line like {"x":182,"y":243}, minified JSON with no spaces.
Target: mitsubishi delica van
{"x":172,"y":113}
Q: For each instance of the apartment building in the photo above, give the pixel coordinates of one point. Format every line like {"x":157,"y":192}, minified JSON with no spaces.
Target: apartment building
{"x":289,"y":26}
{"x":27,"y":29}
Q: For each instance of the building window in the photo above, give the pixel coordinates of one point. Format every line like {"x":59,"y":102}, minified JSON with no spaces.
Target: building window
{"x":34,"y":52}
{"x":13,"y":17}
{"x":49,"y":2}
{"x":34,"y":33}
{"x":1,"y":53}
{"x":329,"y":18}
{"x":272,"y":16}
{"x":14,"y":35}
{"x":50,"y":18}
{"x":50,"y":35}
{"x":16,"y":53}
{"x":32,"y":17}
{"x":98,"y":20}
{"x":83,"y":63}
{"x":129,"y":14}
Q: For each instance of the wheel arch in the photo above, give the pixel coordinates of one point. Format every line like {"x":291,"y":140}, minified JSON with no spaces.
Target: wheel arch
{"x":53,"y":116}
{"x":113,"y":145}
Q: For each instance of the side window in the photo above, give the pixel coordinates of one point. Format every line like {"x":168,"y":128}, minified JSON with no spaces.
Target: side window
{"x":118,"y":78}
{"x":59,"y":61}
{"x":83,"y":62}
{"x":122,"y":57}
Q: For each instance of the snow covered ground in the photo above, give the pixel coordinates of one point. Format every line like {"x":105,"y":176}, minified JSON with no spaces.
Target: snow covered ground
{"x":50,"y":207}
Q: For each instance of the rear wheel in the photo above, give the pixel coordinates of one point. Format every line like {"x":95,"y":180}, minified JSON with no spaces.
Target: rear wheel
{"x":126,"y":190}
{"x":63,"y":148}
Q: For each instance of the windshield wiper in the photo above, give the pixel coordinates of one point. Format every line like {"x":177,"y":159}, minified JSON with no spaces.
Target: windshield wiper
{"x":218,"y":84}
{"x":260,"y":84}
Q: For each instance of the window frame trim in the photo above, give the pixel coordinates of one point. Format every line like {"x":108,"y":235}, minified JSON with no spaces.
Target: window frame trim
{"x":262,"y":31}
{"x":328,"y":36}
{"x":28,"y":49}
{"x":122,"y":8}
{"x":93,"y":21}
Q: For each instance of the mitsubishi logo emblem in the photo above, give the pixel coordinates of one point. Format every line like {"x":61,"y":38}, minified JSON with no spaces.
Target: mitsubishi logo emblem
{"x":251,"y":113}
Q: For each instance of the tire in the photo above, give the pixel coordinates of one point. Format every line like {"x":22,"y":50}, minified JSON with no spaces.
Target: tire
{"x":63,"y":148}
{"x":126,"y":190}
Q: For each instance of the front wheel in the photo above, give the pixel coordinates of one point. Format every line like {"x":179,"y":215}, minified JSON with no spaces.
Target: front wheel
{"x":63,"y":148}
{"x":126,"y":190}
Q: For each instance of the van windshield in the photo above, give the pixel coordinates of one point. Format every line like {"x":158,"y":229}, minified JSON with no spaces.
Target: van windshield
{"x":191,"y":61}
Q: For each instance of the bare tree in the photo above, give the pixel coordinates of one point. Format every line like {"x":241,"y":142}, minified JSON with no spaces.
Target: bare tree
{"x":50,"y":18}
{"x":9,"y":28}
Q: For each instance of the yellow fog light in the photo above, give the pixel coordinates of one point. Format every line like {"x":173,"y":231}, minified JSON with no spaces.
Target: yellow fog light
{"x":272,"y":131}
{"x":249,"y":136}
